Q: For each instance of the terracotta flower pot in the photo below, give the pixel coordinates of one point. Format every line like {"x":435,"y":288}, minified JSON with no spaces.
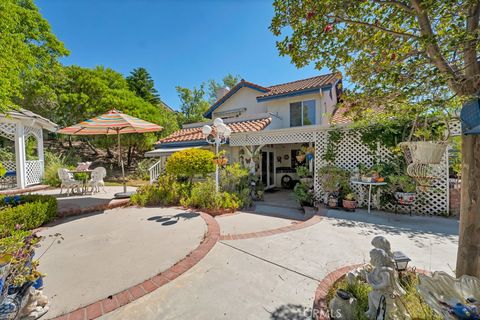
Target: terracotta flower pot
{"x":300,"y":158}
{"x":332,"y":202}
{"x":405,"y":198}
{"x":349,"y":204}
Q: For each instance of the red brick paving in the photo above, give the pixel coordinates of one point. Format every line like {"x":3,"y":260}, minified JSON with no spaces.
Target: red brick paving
{"x":26,"y":190}
{"x":265,"y":233}
{"x":107,"y":305}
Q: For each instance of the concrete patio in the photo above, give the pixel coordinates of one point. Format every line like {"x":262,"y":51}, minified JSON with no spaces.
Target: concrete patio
{"x":105,"y":253}
{"x":275,"y":277}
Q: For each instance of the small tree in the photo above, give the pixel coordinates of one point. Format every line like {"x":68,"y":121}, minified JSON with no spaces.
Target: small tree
{"x":190,"y":162}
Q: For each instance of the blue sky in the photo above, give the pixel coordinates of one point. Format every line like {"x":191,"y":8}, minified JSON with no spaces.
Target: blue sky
{"x":179,"y":42}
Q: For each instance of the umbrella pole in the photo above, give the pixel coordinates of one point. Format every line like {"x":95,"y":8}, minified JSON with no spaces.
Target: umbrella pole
{"x":121,"y":162}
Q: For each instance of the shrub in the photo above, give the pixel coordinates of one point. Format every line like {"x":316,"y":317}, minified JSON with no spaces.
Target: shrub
{"x":303,"y":194}
{"x":166,"y":192}
{"x":234,"y":178}
{"x":189,"y":163}
{"x":204,"y":197}
{"x":34,"y":211}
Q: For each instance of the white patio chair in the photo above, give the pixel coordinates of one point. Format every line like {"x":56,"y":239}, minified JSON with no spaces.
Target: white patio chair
{"x":96,"y":181}
{"x":67,"y":181}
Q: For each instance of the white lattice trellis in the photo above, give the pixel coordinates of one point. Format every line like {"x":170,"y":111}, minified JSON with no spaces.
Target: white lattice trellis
{"x":34,"y":170}
{"x":7,"y":130}
{"x":349,"y":153}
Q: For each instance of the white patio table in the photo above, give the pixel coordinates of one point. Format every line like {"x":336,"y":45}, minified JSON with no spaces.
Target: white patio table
{"x":369,"y":184}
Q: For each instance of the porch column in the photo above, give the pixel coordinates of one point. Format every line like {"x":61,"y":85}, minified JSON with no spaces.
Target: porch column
{"x":41,"y":156}
{"x":20,"y":158}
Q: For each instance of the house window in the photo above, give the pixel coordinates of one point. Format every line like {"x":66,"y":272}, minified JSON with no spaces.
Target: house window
{"x":302,"y":113}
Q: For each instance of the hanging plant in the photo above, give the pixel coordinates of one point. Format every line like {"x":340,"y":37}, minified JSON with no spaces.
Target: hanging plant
{"x":220,"y":159}
{"x":425,"y":153}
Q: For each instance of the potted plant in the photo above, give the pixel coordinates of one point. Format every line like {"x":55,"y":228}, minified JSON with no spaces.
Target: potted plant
{"x":332,"y":180}
{"x":430,"y":145}
{"x":309,"y":152}
{"x":404,"y":188}
{"x":220,"y":159}
{"x":305,"y":175}
{"x":304,"y":196}
{"x":349,"y":202}
{"x":300,"y":156}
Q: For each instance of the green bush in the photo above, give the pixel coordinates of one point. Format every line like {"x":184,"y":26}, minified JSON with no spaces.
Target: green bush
{"x":190,"y":163}
{"x":34,"y":211}
{"x":303,"y":194}
{"x":166,"y":192}
{"x":204,"y":197}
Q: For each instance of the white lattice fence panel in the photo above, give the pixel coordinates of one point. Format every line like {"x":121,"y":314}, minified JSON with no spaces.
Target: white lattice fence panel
{"x":9,"y":165}
{"x":29,"y":131}
{"x":7,"y":130}
{"x":34,"y":172}
{"x":351,"y":151}
{"x":268,"y":138}
{"x":455,"y":128}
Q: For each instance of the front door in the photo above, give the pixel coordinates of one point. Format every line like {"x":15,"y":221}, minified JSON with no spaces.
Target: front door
{"x":268,"y":169}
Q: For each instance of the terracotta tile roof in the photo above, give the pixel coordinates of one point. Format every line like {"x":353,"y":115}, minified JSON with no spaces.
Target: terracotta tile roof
{"x":345,"y":113}
{"x":299,"y":85}
{"x":341,"y":116}
{"x":194,"y":134}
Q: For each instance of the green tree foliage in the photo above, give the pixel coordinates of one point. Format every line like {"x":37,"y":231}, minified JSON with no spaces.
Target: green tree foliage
{"x":192,"y":104}
{"x":229,"y":80}
{"x":29,"y":50}
{"x":403,"y":53}
{"x":190,"y":162}
{"x":140,"y":82}
{"x":82,"y":93}
{"x":411,"y":57}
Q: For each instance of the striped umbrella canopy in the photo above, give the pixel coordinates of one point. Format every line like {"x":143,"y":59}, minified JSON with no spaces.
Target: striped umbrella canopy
{"x":113,"y":122}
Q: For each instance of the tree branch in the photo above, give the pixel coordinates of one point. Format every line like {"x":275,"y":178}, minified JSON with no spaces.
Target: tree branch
{"x":366,"y":24}
{"x":470,"y":53}
{"x":432,"y":47}
{"x":397,"y":4}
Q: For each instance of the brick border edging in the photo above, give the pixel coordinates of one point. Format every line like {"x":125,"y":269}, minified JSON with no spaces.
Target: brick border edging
{"x":297,"y":226}
{"x":101,"y":207}
{"x":320,"y":304}
{"x":9,"y":192}
{"x":115,"y":301}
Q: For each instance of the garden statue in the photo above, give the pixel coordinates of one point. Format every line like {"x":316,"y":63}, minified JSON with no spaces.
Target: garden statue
{"x":343,"y":306}
{"x":384,"y":299}
{"x":449,"y":297}
{"x":380,"y":242}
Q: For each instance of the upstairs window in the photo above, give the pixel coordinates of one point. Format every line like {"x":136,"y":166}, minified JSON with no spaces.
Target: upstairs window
{"x":302,"y":113}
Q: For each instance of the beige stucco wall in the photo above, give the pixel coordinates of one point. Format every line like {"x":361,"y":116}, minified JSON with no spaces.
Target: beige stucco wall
{"x":246,"y":98}
{"x":243,"y":98}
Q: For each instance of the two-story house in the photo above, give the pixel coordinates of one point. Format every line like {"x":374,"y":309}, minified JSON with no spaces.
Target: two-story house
{"x":268,"y":121}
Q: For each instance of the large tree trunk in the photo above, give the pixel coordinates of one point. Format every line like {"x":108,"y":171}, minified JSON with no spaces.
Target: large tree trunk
{"x":468,"y":257}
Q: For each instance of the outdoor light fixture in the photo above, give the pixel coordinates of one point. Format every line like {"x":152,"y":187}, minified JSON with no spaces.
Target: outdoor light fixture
{"x":216,"y":136}
{"x":401,"y":261}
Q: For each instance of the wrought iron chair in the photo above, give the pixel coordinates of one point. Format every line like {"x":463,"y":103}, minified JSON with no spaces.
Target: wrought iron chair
{"x":68,"y":182}
{"x":96,"y":181}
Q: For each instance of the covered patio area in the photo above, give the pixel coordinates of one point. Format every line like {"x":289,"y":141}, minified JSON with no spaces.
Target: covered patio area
{"x":21,"y":131}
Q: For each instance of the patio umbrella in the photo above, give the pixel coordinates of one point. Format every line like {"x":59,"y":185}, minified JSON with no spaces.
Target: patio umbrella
{"x":113,"y":122}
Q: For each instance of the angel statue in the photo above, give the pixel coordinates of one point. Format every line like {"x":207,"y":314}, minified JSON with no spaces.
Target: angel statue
{"x":384,"y":299}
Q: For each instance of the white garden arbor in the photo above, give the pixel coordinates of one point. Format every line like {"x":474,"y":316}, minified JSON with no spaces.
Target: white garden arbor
{"x":18,"y":125}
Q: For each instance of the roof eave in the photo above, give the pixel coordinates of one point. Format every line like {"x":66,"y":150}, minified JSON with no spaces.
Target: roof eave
{"x":294,"y":93}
